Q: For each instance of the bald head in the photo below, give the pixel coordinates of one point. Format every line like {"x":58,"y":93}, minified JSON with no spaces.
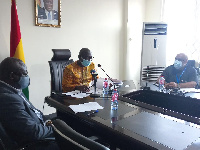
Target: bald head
{"x":85,"y":53}
{"x":85,"y":57}
{"x":182,"y":56}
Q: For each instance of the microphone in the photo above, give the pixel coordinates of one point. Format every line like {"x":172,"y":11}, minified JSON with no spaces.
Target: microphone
{"x":94,"y":75}
{"x":105,"y":73}
{"x":93,"y":71}
{"x":115,"y":83}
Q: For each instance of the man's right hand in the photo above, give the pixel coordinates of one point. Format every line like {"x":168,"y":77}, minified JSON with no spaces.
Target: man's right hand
{"x":171,"y":85}
{"x":82,"y":88}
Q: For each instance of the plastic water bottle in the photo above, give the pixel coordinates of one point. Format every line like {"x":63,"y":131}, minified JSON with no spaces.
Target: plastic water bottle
{"x":105,"y":86}
{"x":161,"y":84}
{"x":114,"y":100}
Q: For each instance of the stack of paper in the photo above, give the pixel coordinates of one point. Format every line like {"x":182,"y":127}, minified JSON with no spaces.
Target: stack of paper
{"x":85,"y":107}
{"x":77,"y":94}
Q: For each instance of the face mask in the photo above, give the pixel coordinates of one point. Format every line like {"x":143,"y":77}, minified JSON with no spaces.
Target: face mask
{"x":177,"y":64}
{"x":24,"y":82}
{"x":85,"y":63}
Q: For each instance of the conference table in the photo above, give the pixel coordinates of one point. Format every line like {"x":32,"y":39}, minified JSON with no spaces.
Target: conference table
{"x":145,"y":119}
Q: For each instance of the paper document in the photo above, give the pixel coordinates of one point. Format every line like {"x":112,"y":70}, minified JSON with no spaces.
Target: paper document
{"x":76,"y":94}
{"x":85,"y":107}
{"x":79,"y":94}
{"x":98,"y":91}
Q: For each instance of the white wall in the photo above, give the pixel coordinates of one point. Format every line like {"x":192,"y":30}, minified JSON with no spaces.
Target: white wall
{"x":100,"y":25}
{"x":139,"y":11}
{"x":153,"y":11}
{"x":95,"y":24}
{"x":136,"y":11}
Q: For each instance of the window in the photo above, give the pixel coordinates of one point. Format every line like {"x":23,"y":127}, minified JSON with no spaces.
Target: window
{"x":183,"y":19}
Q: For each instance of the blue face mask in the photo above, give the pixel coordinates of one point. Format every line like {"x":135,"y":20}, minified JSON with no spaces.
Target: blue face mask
{"x":24,"y":82}
{"x":85,"y":62}
{"x":178,"y":64}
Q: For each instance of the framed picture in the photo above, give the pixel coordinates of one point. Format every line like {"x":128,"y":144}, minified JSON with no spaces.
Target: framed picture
{"x":47,"y":13}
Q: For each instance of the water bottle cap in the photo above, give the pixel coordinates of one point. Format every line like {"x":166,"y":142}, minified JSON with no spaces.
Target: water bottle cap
{"x":106,"y":79}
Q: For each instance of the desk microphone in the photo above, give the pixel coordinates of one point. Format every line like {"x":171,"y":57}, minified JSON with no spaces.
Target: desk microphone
{"x":114,"y":83}
{"x":94,"y":75}
{"x":105,"y":72}
{"x":93,"y":72}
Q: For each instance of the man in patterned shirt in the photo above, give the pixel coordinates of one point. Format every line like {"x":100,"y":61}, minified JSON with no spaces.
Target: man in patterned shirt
{"x":77,"y":76}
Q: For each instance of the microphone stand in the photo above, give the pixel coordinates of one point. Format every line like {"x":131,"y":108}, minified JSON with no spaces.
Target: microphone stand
{"x":94,"y":75}
{"x":108,"y":78}
{"x":106,"y":74}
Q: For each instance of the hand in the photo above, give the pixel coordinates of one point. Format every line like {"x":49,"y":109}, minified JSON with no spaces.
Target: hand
{"x":171,"y":85}
{"x":48,"y":123}
{"x":82,"y":88}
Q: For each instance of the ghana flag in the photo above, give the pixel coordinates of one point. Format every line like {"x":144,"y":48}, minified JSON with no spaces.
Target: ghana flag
{"x":16,"y":48}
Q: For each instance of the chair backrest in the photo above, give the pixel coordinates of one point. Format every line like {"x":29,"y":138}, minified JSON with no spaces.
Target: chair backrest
{"x":127,"y":85}
{"x":191,"y":63}
{"x":6,"y":142}
{"x":66,"y":137}
{"x":57,"y":64}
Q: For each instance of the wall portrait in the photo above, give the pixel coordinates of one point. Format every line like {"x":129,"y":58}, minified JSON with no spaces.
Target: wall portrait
{"x":47,"y":13}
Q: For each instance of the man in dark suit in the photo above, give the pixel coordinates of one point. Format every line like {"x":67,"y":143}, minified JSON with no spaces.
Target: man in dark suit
{"x":47,"y":11}
{"x":21,"y":120}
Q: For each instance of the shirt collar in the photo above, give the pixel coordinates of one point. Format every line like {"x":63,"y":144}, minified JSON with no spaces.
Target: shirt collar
{"x":15,"y":89}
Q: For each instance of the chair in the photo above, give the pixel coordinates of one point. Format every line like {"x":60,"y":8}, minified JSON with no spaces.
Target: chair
{"x":57,"y":64}
{"x":6,"y":143}
{"x":191,"y":63}
{"x":128,"y":85}
{"x":67,"y":138}
{"x":150,"y":74}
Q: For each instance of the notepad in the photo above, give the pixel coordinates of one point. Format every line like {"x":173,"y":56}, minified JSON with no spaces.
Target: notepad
{"x":85,"y":107}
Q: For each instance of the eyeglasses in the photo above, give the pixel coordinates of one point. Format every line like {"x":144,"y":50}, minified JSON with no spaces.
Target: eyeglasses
{"x":88,"y":58}
{"x":24,"y":74}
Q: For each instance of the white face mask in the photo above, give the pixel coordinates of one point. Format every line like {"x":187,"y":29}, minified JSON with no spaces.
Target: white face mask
{"x":24,"y":82}
{"x":178,"y":64}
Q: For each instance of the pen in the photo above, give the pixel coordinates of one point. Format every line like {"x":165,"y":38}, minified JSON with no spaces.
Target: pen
{"x":93,"y":112}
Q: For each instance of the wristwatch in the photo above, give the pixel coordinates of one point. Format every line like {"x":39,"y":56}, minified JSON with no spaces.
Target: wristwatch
{"x":178,"y":85}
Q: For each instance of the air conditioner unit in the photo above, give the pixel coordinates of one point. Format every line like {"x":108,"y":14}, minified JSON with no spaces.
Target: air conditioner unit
{"x":153,"y":50}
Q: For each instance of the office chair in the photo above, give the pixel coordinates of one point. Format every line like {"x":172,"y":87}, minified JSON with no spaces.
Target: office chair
{"x":67,"y":138}
{"x":57,"y":64}
{"x":128,"y":85}
{"x":6,"y":143}
{"x":191,"y":63}
{"x":149,"y":75}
